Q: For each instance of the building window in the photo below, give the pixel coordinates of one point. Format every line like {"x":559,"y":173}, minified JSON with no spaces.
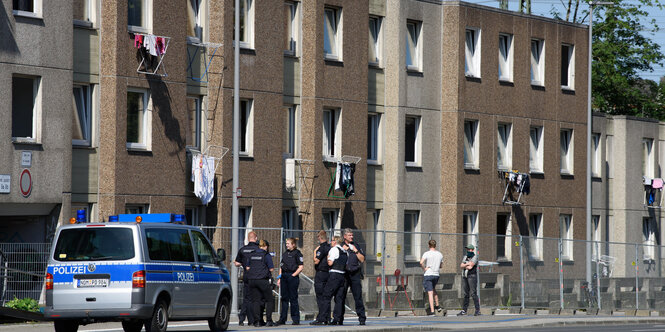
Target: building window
{"x":331,"y":221}
{"x":375,"y":238}
{"x":138,"y":120}
{"x":195,"y":20}
{"x":567,"y":151}
{"x":536,"y":150}
{"x":292,"y":224}
{"x":470,"y":144}
{"x":504,"y":238}
{"x":332,"y":138}
{"x":137,"y":208}
{"x":84,"y":11}
{"x":192,"y":216}
{"x":608,"y":156}
{"x":506,"y":57}
{"x":246,"y":127}
{"x":535,"y":248}
{"x":245,"y":224}
{"x":411,"y":238}
{"x":504,"y":147}
{"x":566,"y":235}
{"x":413,"y":136}
{"x":332,"y":41}
{"x":595,"y":157}
{"x":647,"y":158}
{"x":196,"y":121}
{"x":537,"y":62}
{"x":291,"y":145}
{"x":139,"y":15}
{"x":26,"y":108}
{"x":649,"y":238}
{"x":291,"y":28}
{"x":567,"y":67}
{"x":246,"y":23}
{"x":373,"y":138}
{"x":375,"y":38}
{"x":595,"y":225}
{"x":82,"y":120}
{"x":414,"y":49}
{"x":31,"y":8}
{"x":472,"y":53}
{"x":470,"y":228}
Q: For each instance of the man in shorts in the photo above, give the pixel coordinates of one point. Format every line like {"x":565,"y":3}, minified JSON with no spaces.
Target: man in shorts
{"x":431,"y":263}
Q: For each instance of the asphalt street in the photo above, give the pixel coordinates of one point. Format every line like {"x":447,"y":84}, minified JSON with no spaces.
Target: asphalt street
{"x":411,"y":323}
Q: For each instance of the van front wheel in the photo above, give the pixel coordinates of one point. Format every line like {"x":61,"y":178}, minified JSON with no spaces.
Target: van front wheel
{"x":160,"y":318}
{"x":221,"y":320}
{"x":66,"y":325}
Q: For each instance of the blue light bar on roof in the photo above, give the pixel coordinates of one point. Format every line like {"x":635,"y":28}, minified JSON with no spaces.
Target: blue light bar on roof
{"x":149,"y":217}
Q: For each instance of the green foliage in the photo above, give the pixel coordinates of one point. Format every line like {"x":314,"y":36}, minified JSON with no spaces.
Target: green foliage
{"x":25,"y":304}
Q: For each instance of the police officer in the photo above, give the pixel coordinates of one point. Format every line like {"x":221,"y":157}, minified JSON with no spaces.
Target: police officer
{"x":321,"y":277}
{"x":289,"y":280}
{"x":337,"y":258}
{"x":469,"y":268}
{"x":258,"y":269}
{"x":241,"y":257}
{"x":354,"y":275}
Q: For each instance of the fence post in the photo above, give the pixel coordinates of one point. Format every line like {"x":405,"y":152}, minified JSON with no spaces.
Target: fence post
{"x":637,"y":273}
{"x":521,"y":271}
{"x":560,"y":274}
{"x":383,"y":271}
{"x":598,"y":275}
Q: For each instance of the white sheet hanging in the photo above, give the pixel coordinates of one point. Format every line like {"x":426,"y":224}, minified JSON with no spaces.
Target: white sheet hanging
{"x":290,"y":173}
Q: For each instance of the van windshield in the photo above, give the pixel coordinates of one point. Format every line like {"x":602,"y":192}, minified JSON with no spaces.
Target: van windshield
{"x":94,"y":244}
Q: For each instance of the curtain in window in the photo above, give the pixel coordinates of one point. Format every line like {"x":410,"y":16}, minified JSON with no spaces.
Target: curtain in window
{"x":565,"y":146}
{"x":373,"y":55}
{"x":535,"y":60}
{"x":245,"y":6}
{"x":330,"y":32}
{"x":81,"y":120}
{"x":411,"y":45}
{"x":646,"y":157}
{"x":193,"y":18}
{"x":289,"y":17}
{"x":533,"y":149}
{"x":469,"y":143}
{"x":503,"y":134}
{"x":504,"y":47}
{"x":327,"y":133}
{"x":470,"y":50}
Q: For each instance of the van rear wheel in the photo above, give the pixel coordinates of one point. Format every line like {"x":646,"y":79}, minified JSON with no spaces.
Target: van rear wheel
{"x":66,"y":325}
{"x":160,"y":318}
{"x":133,"y":325}
{"x":221,"y":320}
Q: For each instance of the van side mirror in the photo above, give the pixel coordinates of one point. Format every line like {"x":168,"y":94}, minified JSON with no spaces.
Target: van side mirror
{"x":221,"y":254}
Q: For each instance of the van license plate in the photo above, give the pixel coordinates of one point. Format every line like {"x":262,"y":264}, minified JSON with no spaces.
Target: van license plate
{"x":93,"y":283}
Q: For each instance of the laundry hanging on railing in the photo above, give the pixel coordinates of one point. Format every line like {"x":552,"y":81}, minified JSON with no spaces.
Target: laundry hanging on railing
{"x":290,"y":174}
{"x":152,"y":50}
{"x":203,"y":176}
{"x":515,"y":182}
{"x":344,"y":173}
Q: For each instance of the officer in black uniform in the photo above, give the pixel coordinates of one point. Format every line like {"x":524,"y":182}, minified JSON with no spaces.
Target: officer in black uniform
{"x":321,"y":277}
{"x":337,"y":258}
{"x":258,"y":269}
{"x":241,"y":257}
{"x":354,"y":275}
{"x":289,"y":280}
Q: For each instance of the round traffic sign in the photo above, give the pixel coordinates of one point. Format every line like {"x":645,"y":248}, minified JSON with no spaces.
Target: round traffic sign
{"x":25,"y":182}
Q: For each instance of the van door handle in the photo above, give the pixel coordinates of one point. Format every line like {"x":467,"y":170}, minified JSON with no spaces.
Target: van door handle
{"x":194,"y":267}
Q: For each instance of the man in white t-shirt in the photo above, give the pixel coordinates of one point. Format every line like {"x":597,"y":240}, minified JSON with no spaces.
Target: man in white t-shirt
{"x":431,"y":263}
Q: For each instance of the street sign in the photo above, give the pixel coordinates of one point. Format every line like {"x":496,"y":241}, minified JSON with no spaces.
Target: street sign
{"x":26,"y":158}
{"x":5,"y":183}
{"x":25,"y":183}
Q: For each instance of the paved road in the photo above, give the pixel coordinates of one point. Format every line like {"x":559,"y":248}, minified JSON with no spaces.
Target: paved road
{"x":411,"y":323}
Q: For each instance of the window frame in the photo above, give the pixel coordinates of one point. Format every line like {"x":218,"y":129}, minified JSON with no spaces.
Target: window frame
{"x":292,"y":142}
{"x":246,"y":39}
{"x":294,"y":34}
{"x":595,"y":155}
{"x":199,"y":123}
{"x":470,"y":222}
{"x":87,"y":103}
{"x":568,"y":154}
{"x":471,"y":148}
{"x":537,"y":65}
{"x":536,"y":152}
{"x":535,"y":237}
{"x":506,"y":61}
{"x":335,"y":221}
{"x":36,"y":123}
{"x":292,"y":224}
{"x":507,"y":146}
{"x":648,"y":169}
{"x":507,"y":238}
{"x":472,"y":64}
{"x":649,"y":238}
{"x":569,"y":75}
{"x":416,"y":64}
{"x":335,"y":53}
{"x":374,"y":138}
{"x":146,"y":124}
{"x":200,"y":22}
{"x":375,"y":242}
{"x":140,"y":208}
{"x":332,"y":133}
{"x":417,"y":141}
{"x":195,"y":213}
{"x":37,"y":10}
{"x":596,"y":235}
{"x":90,"y":14}
{"x":412,"y":250}
{"x":566,"y":236}
{"x":146,"y":17}
{"x":246,"y":128}
{"x":375,"y":40}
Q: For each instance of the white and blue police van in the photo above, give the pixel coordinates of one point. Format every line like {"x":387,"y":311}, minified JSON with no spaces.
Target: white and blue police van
{"x":140,"y":269}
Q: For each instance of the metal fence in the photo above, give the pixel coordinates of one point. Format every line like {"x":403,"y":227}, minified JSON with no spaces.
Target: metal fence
{"x":22,"y":270}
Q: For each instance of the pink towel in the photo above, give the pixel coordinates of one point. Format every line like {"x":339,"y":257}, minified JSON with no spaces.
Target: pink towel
{"x":657,"y":183}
